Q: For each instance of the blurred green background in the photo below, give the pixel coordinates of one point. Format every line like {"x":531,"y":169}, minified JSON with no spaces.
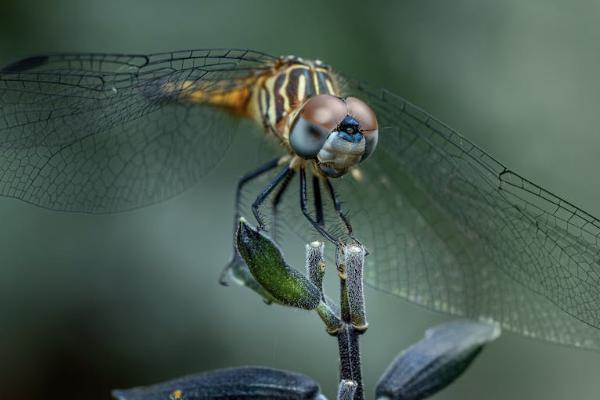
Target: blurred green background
{"x":89,"y":303}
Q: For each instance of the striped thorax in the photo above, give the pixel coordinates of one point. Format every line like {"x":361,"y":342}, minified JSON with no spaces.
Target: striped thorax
{"x":278,"y":96}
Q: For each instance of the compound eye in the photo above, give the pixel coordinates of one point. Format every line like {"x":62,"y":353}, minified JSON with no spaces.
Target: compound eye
{"x":363,"y":114}
{"x":371,"y":139}
{"x":318,"y":117}
{"x":324,"y":111}
{"x":307,"y":139}
{"x":360,"y":111}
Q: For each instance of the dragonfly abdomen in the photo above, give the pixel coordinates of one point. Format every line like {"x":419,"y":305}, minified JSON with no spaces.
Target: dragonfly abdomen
{"x":233,"y":96}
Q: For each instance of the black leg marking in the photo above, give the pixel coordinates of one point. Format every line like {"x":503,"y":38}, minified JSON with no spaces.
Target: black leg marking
{"x":280,"y":177}
{"x":277,"y":200}
{"x":318,"y":200}
{"x":247,"y":178}
{"x":304,"y":208}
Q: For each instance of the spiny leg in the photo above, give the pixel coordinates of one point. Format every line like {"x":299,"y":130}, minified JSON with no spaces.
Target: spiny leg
{"x":277,"y":200}
{"x":318,"y":200}
{"x":235,"y":258}
{"x":338,"y":207}
{"x":276,"y":181}
{"x":304,"y":207}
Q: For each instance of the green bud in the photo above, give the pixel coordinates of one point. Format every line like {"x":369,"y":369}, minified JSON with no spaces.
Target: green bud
{"x":240,"y":274}
{"x":266,"y":263}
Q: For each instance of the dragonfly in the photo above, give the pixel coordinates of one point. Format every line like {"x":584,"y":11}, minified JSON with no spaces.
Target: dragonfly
{"x":446,"y":225}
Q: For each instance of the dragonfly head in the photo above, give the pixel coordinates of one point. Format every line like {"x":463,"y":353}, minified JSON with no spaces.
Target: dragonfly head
{"x":336,"y":133}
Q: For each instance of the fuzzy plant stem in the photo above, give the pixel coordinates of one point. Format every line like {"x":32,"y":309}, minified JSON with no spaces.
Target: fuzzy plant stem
{"x":350,"y":366}
{"x":350,"y":274}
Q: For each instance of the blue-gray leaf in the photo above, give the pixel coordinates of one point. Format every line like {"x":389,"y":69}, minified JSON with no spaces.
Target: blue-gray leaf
{"x":230,"y":383}
{"x":436,"y":361}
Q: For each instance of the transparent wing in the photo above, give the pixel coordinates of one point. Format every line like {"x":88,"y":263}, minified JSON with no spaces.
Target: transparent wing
{"x":452,"y":229}
{"x":102,"y":133}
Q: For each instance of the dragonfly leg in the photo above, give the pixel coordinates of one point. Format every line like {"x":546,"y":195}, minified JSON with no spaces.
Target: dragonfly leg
{"x":318,"y":200}
{"x":277,"y":200}
{"x":338,"y":206}
{"x":235,"y":258}
{"x":304,"y":207}
{"x":338,"y":209}
{"x":276,"y":181}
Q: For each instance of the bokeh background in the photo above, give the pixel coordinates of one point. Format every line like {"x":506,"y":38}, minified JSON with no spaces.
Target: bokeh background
{"x":89,"y":303}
